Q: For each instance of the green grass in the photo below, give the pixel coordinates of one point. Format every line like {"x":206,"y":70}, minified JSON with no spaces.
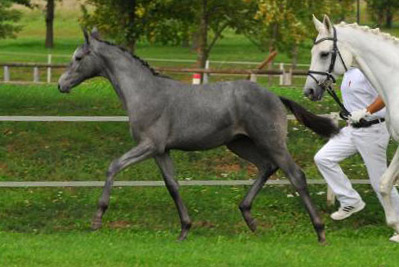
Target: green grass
{"x":61,"y":150}
{"x":47,"y":227}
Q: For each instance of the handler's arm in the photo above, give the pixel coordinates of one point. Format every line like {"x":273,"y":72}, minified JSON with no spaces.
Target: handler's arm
{"x":377,"y":105}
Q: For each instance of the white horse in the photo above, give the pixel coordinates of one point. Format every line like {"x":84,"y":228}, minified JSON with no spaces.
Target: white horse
{"x":377,"y":55}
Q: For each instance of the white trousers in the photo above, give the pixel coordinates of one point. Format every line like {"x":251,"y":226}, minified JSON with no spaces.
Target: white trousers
{"x":371,"y":143}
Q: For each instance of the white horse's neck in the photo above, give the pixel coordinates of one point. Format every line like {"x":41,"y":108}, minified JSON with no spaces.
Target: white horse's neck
{"x":377,"y":55}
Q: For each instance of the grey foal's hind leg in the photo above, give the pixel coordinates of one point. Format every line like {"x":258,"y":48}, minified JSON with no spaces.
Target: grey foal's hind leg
{"x":246,"y":204}
{"x":166,"y":165}
{"x":137,"y":154}
{"x":297,"y":178}
{"x":246,"y":149}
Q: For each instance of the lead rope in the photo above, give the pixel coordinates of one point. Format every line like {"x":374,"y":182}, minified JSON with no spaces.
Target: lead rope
{"x":344,"y":114}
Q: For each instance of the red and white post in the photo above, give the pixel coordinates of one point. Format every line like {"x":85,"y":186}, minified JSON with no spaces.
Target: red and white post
{"x":196,"y":78}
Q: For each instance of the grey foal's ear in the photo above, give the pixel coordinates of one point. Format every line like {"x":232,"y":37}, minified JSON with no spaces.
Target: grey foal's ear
{"x":86,"y":35}
{"x":95,"y":34}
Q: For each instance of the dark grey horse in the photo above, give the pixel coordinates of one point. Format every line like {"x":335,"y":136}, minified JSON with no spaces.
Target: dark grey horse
{"x":165,"y":114}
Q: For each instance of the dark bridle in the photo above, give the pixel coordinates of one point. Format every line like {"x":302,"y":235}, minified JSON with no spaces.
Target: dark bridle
{"x":326,"y":84}
{"x":335,"y":51}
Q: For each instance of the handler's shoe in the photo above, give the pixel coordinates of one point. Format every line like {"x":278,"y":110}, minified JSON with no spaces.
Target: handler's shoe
{"x":395,"y":238}
{"x":346,"y":211}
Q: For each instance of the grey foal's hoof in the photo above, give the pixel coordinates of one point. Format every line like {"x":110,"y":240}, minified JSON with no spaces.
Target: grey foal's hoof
{"x":96,"y":224}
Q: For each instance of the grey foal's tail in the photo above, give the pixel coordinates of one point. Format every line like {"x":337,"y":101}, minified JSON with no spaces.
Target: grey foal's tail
{"x":321,"y":125}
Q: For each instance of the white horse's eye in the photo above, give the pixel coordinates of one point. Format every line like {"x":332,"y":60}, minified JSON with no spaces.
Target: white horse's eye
{"x":324,"y":54}
{"x":78,"y":58}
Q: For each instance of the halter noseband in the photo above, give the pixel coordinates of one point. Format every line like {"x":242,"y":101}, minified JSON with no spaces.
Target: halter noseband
{"x":330,"y":77}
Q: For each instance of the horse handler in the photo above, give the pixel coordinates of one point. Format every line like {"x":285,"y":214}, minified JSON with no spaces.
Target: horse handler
{"x":366,"y":133}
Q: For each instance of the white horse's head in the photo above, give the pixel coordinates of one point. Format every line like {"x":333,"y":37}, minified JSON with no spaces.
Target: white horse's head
{"x":329,"y":59}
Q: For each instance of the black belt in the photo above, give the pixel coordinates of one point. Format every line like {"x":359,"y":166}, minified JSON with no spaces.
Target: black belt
{"x":364,"y":123}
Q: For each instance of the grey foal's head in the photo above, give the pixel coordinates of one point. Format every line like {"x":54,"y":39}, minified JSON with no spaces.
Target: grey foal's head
{"x":85,"y":64}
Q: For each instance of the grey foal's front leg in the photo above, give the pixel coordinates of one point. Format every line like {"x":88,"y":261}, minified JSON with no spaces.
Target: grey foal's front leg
{"x":137,"y":154}
{"x":166,"y":166}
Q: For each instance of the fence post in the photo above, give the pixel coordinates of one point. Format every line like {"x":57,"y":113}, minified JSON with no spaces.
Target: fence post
{"x":330,"y":197}
{"x":205,"y":77}
{"x":330,"y":194}
{"x":288,"y":77}
{"x":6,"y":74}
{"x":49,"y":69}
{"x":196,"y":78}
{"x":252,"y":77}
{"x":35,"y":74}
{"x":270,"y":77}
{"x":283,"y":74}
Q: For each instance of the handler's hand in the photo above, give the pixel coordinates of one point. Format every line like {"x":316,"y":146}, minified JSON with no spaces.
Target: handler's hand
{"x":357,"y":115}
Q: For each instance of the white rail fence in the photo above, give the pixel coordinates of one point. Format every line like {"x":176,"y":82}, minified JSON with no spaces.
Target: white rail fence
{"x":12,"y":184}
{"x":285,"y":71}
{"x":230,"y":62}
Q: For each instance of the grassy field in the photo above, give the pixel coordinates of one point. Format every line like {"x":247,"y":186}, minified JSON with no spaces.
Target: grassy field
{"x":59,"y":150}
{"x":51,"y":226}
{"x":47,"y":227}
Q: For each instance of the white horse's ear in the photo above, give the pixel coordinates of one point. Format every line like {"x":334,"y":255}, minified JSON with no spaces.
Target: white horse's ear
{"x":327,"y":24}
{"x":317,"y":23}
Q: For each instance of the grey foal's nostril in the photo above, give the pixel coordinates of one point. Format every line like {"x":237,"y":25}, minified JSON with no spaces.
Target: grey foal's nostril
{"x":309,"y":92}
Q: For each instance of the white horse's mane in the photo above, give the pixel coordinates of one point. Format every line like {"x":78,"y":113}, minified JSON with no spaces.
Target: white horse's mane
{"x":376,"y":31}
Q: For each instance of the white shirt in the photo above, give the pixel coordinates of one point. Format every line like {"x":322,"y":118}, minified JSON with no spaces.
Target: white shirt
{"x":358,"y":93}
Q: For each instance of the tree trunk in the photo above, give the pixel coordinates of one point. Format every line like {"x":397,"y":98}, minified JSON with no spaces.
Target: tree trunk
{"x":294,"y":60}
{"x":272,"y":48}
{"x":389,"y":17}
{"x":130,"y":40}
{"x":272,"y":44}
{"x":202,"y":50}
{"x":49,"y":24}
{"x":194,"y":41}
{"x":185,"y":42}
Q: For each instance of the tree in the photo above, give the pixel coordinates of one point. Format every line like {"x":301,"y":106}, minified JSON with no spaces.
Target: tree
{"x":285,"y":24}
{"x":126,"y":21}
{"x":8,"y":17}
{"x":214,"y":17}
{"x":381,"y":10}
{"x":204,"y":21}
{"x":171,"y":21}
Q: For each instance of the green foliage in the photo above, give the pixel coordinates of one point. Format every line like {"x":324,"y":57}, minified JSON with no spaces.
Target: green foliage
{"x":168,"y":22}
{"x":382,"y":9}
{"x":8,"y":18}
{"x":283,"y":24}
{"x":124,"y":21}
